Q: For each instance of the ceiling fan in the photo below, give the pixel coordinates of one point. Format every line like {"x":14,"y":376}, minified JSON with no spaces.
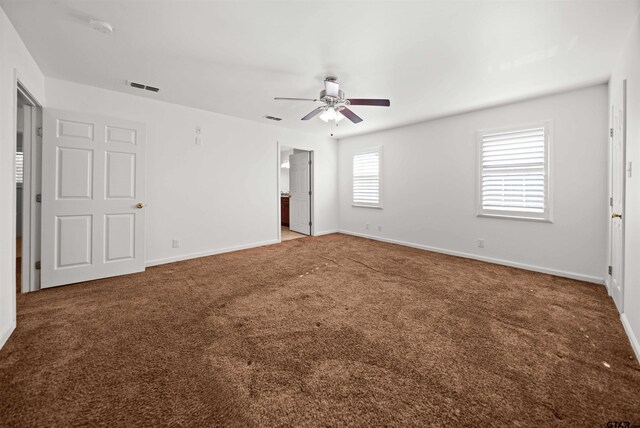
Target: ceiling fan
{"x":336,"y":106}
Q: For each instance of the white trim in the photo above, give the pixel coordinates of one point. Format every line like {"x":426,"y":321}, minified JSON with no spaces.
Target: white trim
{"x":326,"y":232}
{"x":312,"y":185}
{"x":633,"y":339}
{"x":547,"y":215}
{"x":312,"y":197}
{"x":565,"y":274}
{"x":5,"y":335}
{"x":380,"y":203}
{"x":279,"y":204}
{"x":189,"y":256}
{"x":515,"y":217}
{"x":32,"y":149}
{"x":378,"y":207}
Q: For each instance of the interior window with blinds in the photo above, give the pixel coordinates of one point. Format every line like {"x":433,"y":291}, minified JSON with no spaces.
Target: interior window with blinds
{"x":367,"y":189}
{"x":514,"y":173}
{"x":19,"y":167}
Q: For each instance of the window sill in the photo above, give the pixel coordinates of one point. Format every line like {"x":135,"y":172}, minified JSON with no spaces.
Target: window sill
{"x":379,"y":207}
{"x":516,"y":217}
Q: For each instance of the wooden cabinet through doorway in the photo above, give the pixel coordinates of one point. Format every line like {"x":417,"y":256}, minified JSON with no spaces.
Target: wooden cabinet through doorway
{"x":284,"y":211}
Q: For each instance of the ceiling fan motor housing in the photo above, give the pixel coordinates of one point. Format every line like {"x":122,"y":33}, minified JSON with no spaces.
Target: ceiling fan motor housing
{"x":333,"y":100}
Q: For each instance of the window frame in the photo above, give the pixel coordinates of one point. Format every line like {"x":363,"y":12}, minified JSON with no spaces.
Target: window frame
{"x":379,"y":205}
{"x":547,"y":215}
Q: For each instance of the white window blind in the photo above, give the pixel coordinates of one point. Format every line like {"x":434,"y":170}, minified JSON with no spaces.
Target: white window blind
{"x":366,"y":179}
{"x":19,"y":167}
{"x":514,"y":179}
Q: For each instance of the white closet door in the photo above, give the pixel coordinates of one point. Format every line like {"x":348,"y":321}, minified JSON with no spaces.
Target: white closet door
{"x":618,"y":171}
{"x":300,"y":187}
{"x":92,"y":197}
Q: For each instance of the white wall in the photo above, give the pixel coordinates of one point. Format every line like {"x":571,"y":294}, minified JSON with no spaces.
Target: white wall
{"x":15,"y":62}
{"x":430,"y":178}
{"x":628,"y":67}
{"x":214,"y":197}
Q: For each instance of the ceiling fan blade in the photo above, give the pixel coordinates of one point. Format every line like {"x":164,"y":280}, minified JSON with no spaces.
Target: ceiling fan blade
{"x":332,"y":88}
{"x":350,"y":115}
{"x":296,"y":99}
{"x":314,"y":113}
{"x":369,"y":102}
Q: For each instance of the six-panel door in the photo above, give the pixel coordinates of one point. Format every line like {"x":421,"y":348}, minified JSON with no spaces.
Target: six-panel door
{"x":93,"y":183}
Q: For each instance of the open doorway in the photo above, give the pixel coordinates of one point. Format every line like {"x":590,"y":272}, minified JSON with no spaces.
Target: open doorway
{"x":28,"y":168}
{"x":296,"y":193}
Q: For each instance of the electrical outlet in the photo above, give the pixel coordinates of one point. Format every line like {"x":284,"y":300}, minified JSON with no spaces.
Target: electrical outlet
{"x":367,"y":226}
{"x":176,"y":243}
{"x":379,"y":228}
{"x":480,"y":243}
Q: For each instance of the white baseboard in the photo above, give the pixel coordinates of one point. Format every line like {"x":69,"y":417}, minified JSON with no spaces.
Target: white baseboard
{"x":534,"y":268}
{"x":189,"y":256}
{"x":4,"y":335}
{"x":326,"y":232}
{"x":635,"y":342}
{"x":208,"y":253}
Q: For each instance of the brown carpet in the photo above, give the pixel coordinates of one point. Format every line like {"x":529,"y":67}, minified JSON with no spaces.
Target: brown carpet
{"x":328,"y":331}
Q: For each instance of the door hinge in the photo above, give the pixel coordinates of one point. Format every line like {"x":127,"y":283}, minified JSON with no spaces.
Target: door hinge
{"x":39,"y":197}
{"x":38,"y":265}
{"x":610,"y":270}
{"x":309,"y":223}
{"x":39,"y":132}
{"x":309,"y":192}
{"x":309,"y":161}
{"x":610,"y":132}
{"x":611,"y":201}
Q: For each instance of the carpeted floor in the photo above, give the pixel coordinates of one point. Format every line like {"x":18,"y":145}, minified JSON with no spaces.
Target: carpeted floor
{"x":327,"y":331}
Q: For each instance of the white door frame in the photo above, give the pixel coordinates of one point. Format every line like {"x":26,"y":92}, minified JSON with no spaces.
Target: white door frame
{"x":32,"y":152}
{"x":312,"y":184}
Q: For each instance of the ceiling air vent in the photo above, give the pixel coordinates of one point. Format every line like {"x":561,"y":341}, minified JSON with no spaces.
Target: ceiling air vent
{"x":141,"y":86}
{"x":277,"y":119}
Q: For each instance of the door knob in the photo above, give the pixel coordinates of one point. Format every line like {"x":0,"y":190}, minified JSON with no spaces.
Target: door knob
{"x":139,"y":205}
{"x":614,"y":215}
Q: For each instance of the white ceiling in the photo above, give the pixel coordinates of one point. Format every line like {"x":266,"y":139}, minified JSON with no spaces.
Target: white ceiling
{"x":429,"y":58}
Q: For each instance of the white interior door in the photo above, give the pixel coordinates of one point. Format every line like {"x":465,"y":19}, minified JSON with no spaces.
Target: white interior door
{"x":618,"y":143}
{"x":300,"y":189}
{"x":92,"y":197}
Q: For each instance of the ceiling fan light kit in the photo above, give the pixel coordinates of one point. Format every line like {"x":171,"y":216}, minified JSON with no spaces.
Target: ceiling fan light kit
{"x":336,"y":105}
{"x":331,"y":113}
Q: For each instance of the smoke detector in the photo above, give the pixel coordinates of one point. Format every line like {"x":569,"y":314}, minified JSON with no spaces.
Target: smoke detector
{"x":102,"y":26}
